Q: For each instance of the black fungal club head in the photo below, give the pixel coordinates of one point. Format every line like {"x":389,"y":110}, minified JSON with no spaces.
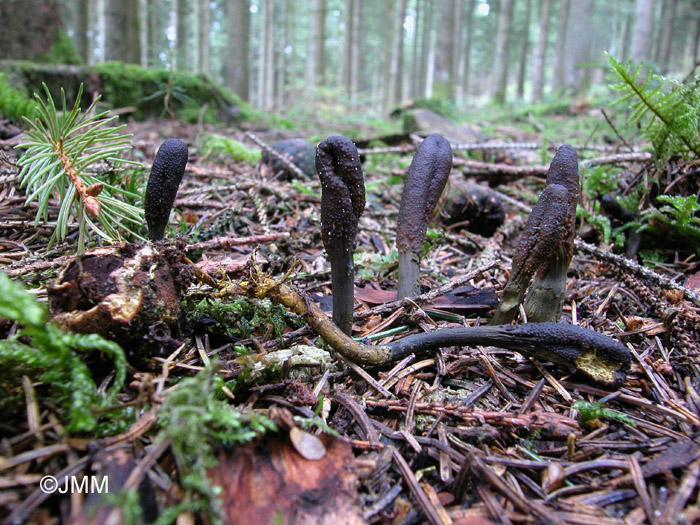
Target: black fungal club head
{"x":545,"y":247}
{"x":342,"y":189}
{"x":342,"y":203}
{"x":425,"y":180}
{"x":166,"y":174}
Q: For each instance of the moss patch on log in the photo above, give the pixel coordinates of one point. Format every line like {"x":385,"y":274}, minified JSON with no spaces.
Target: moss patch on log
{"x":190,"y":96}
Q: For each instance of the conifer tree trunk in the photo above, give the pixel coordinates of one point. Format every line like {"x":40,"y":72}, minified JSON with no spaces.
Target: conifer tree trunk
{"x":346,"y":62}
{"x":540,"y":52}
{"x":237,"y":65}
{"x":82,"y":26}
{"x":397,"y":54}
{"x":425,"y":48}
{"x":122,"y":40}
{"x":641,"y":34}
{"x":186,"y":46}
{"x":204,"y":39}
{"x":143,"y":32}
{"x":444,"y":53}
{"x":524,"y":50}
{"x":415,"y":52}
{"x":665,"y":48}
{"x":578,"y":47}
{"x":316,"y":37}
{"x":457,"y":49}
{"x":696,"y":40}
{"x":500,"y":63}
{"x":356,"y":52}
{"x":36,"y":26}
{"x":465,"y":63}
{"x":560,"y":50}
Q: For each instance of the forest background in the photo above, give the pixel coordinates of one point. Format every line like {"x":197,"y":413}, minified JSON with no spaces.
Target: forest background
{"x":369,"y":56}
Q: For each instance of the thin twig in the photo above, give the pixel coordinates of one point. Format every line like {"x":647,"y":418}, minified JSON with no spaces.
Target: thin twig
{"x":428,"y":296}
{"x":282,"y":158}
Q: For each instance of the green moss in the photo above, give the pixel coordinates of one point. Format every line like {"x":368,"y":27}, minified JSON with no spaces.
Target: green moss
{"x":214,"y":145}
{"x":196,"y":423}
{"x":40,"y":349}
{"x":150,"y":90}
{"x":240,"y":318}
{"x":15,"y":104}
{"x":129,"y":85}
{"x":63,"y":51}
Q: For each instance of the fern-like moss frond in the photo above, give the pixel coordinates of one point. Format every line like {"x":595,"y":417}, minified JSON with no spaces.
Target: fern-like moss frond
{"x":667,"y":111}
{"x":39,"y":344}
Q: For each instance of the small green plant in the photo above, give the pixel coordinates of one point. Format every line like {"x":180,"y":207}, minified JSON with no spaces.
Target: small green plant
{"x":372,"y":264}
{"x":196,"y":422}
{"x":678,"y":220}
{"x":241,"y":317}
{"x":219,"y":145}
{"x":63,"y":147}
{"x":14,"y":104}
{"x":667,"y":111}
{"x":305,"y":189}
{"x":39,"y":344}
{"x":681,"y":216}
{"x":591,"y":411}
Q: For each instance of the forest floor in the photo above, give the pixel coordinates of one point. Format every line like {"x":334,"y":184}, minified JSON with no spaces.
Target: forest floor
{"x":463,"y":435}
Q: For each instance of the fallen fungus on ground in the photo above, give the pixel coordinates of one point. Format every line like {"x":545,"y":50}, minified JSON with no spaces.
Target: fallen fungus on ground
{"x":545,"y":248}
{"x":599,"y":357}
{"x":342,"y":202}
{"x":425,"y":180}
{"x":166,"y":174}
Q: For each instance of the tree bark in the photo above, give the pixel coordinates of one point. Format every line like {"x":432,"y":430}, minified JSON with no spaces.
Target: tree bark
{"x":665,"y":48}
{"x":578,"y":46}
{"x":356,"y":52}
{"x":524,"y":50}
{"x":143,"y":32}
{"x":500,"y":63}
{"x":346,"y":62}
{"x":237,"y":65}
{"x":641,"y":34}
{"x":540,"y":52}
{"x":444,"y":54}
{"x":465,"y":63}
{"x":315,"y":54}
{"x":266,"y":55}
{"x":82,"y":27}
{"x":204,"y":40}
{"x":457,"y":49}
{"x":186,"y":39}
{"x":397,"y":54}
{"x":560,"y":51}
{"x":122,"y":31}
{"x":415,"y":52}
{"x":625,"y":40}
{"x":696,"y":39}
{"x":35,"y":28}
{"x":425,"y":47}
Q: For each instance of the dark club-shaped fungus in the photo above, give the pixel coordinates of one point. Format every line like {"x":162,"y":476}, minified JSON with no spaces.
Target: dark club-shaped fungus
{"x":425,"y":180}
{"x":342,"y":202}
{"x":603,"y":359}
{"x":546,"y":247}
{"x":163,"y":182}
